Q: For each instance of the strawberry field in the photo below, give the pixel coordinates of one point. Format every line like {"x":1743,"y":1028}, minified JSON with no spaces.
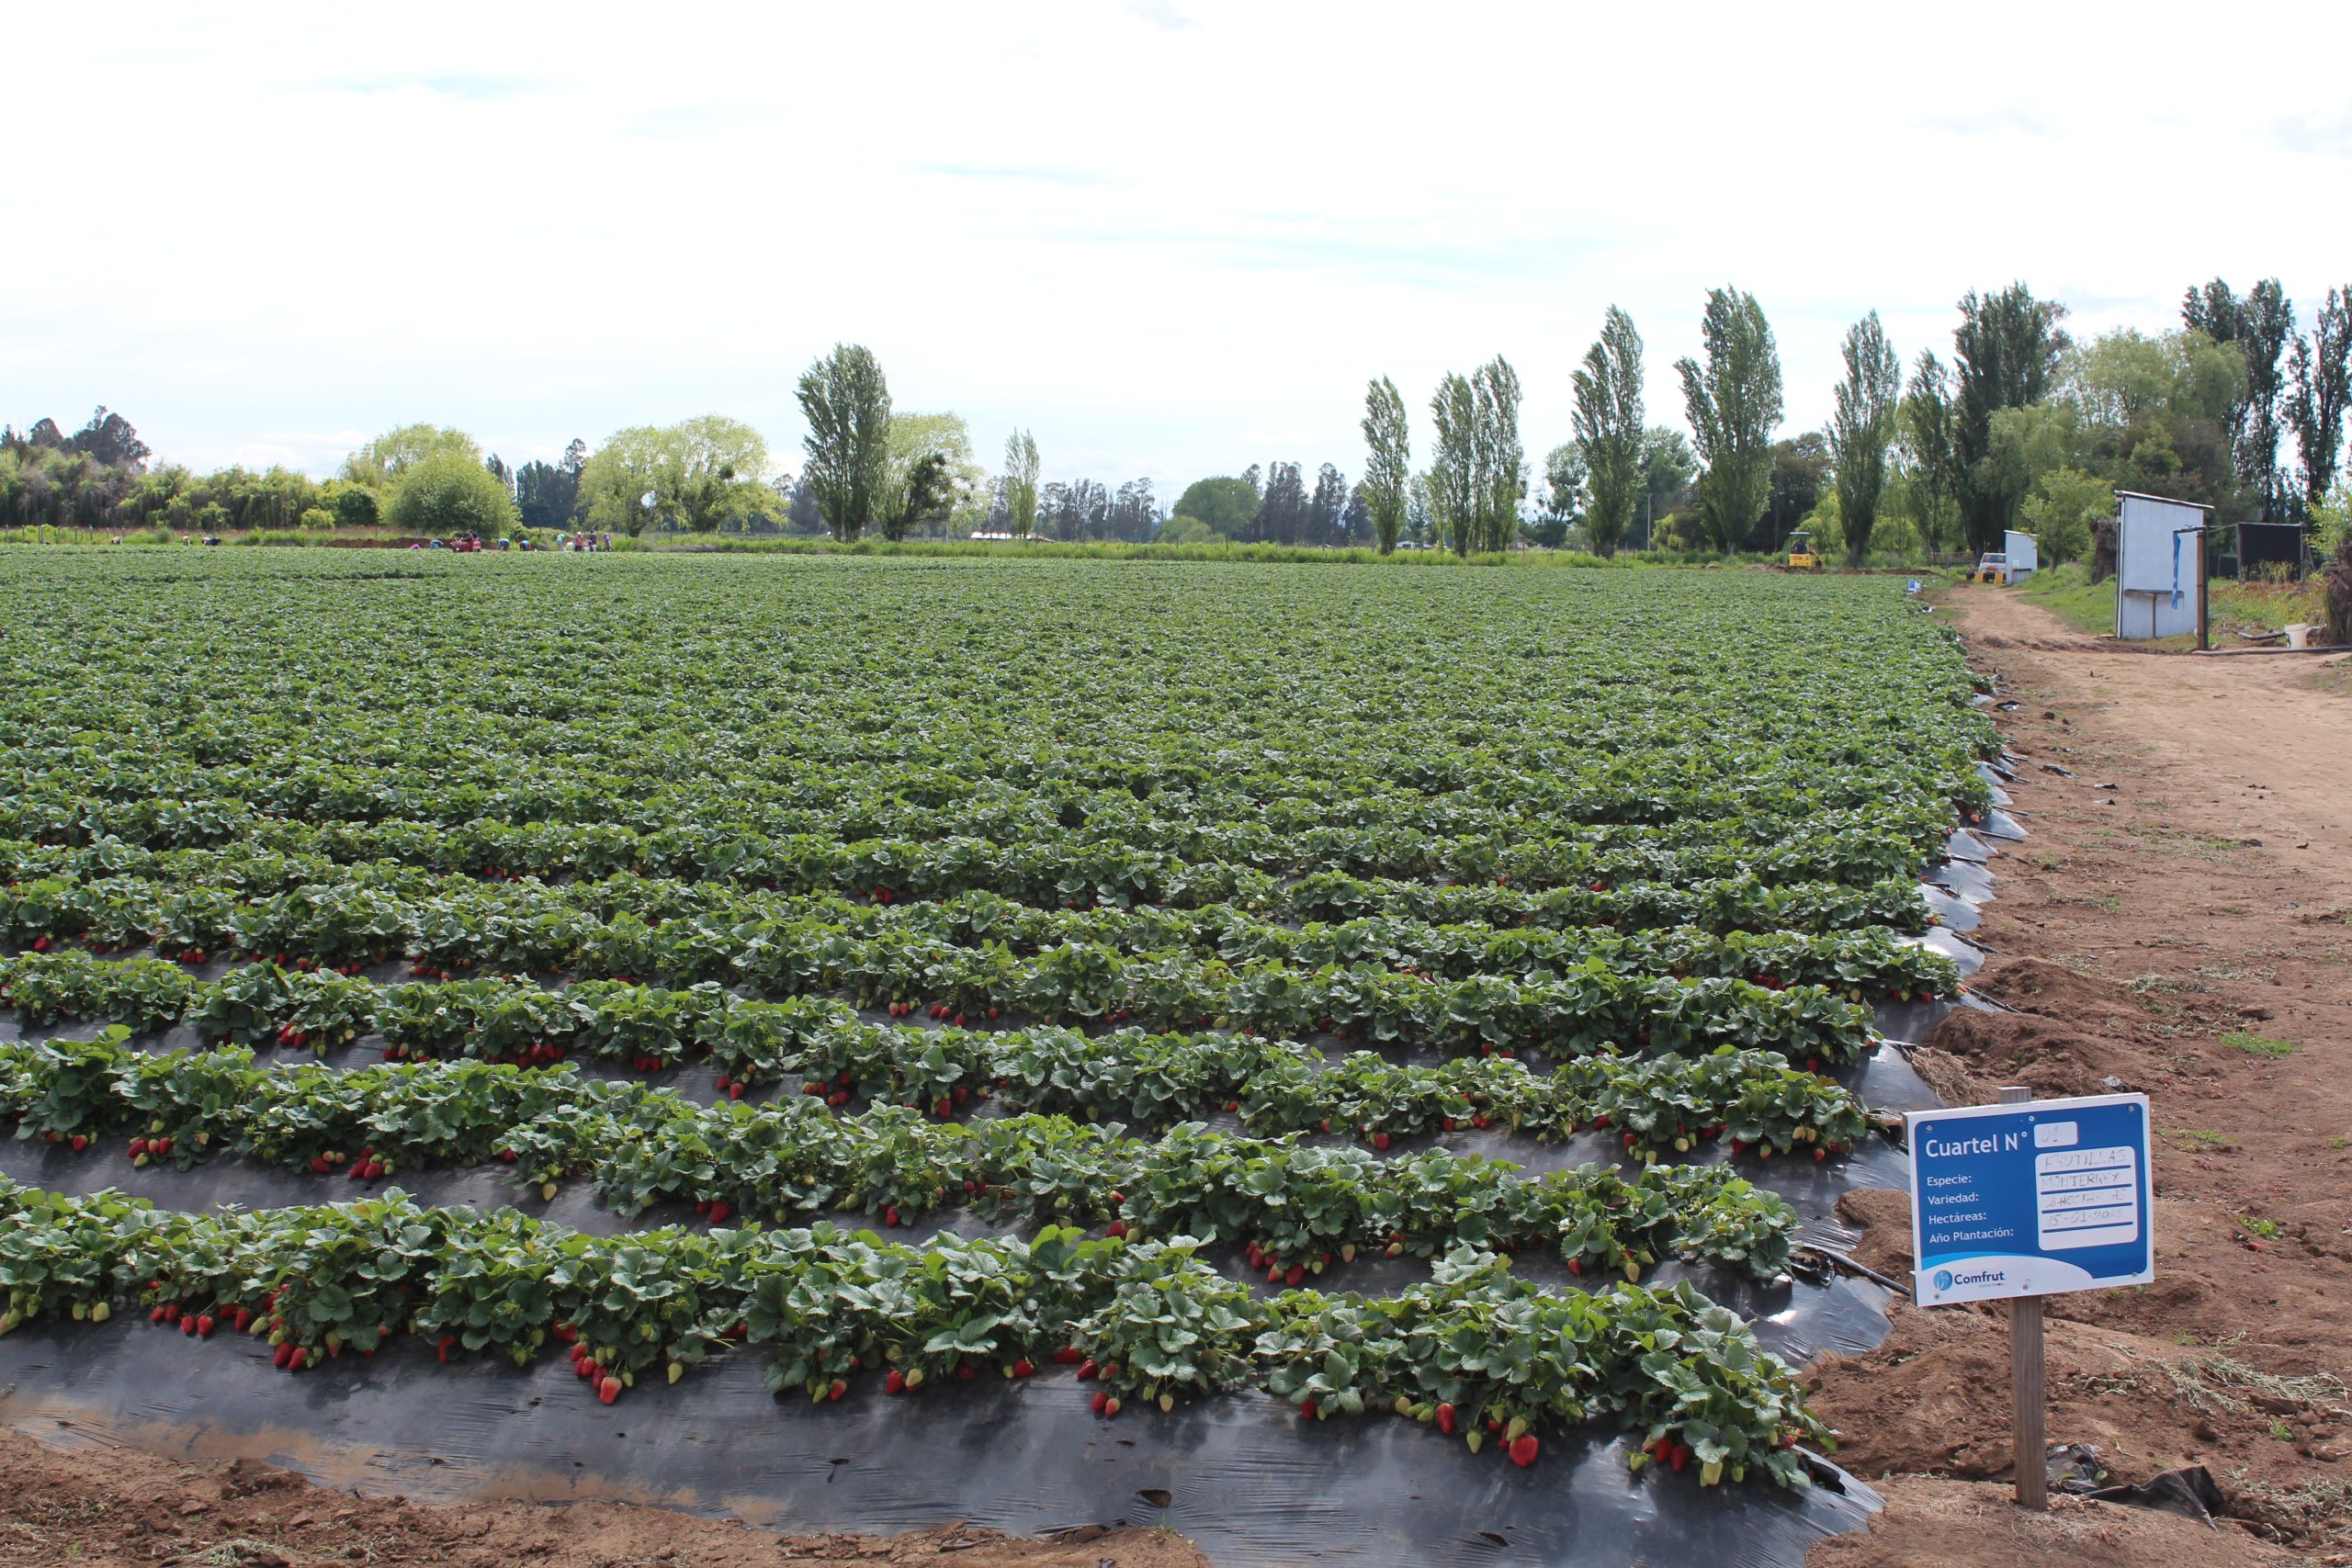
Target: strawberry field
{"x":1174,"y":999}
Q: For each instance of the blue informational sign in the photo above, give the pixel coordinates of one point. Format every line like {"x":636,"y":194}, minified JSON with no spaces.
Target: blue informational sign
{"x":2031,"y":1200}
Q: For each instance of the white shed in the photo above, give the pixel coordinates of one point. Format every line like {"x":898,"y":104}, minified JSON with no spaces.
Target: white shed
{"x":2159,"y":566}
{"x":2024,"y":552}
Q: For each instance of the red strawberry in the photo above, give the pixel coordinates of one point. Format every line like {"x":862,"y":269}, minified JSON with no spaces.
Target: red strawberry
{"x":718,"y":1212}
{"x":1297,"y":1273}
{"x":1069,"y":1356}
{"x":896,"y":1382}
{"x":1380,"y":1140}
{"x":838,"y":1389}
{"x":298,"y":1361}
{"x":1086,"y":1368}
{"x":1023,"y":1367}
{"x":187,"y":1326}
{"x":1117,"y":1229}
{"x":441,"y":1347}
{"x":609,"y":1389}
{"x":1523,"y":1452}
{"x":280,"y":1357}
{"x":966,"y":1372}
{"x":81,"y":1142}
{"x":890,"y":1216}
{"x":1100,"y":1400}
{"x":204,"y":1323}
{"x":1445,"y":1419}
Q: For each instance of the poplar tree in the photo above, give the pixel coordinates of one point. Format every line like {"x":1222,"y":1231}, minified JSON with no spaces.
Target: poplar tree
{"x":1608,"y":426}
{"x":1733,"y":402}
{"x":1861,"y":428}
{"x":847,"y":404}
{"x":1388,"y":462}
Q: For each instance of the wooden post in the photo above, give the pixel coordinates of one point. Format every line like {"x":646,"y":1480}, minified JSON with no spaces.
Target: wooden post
{"x":2026,"y":1377}
{"x":2204,"y":622}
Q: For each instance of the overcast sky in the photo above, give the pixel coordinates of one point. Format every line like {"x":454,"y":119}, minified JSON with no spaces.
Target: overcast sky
{"x":1171,"y":238}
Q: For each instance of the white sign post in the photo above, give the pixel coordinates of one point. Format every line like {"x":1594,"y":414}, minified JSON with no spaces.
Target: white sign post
{"x":2024,"y":1199}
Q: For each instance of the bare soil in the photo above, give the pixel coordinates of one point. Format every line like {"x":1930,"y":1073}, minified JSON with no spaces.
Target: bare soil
{"x":57,"y":1507}
{"x":2178,"y":923}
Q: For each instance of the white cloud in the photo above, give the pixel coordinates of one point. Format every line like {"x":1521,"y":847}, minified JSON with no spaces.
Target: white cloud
{"x":1172,"y":239}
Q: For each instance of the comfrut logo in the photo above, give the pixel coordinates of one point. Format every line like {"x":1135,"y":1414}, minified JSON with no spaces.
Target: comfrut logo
{"x":1943,"y":1278}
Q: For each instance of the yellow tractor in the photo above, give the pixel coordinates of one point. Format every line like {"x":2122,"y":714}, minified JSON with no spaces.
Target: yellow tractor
{"x":1801,"y":553}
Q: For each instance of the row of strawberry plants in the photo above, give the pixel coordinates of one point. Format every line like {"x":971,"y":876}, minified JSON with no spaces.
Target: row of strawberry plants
{"x":1800,"y":834}
{"x":544,"y":927}
{"x":1752,"y":1098}
{"x":571,"y":745}
{"x":1588,"y":1007}
{"x":1294,"y":1206}
{"x":652,"y":1026}
{"x":1475,"y":1352}
{"x":1735,"y":898}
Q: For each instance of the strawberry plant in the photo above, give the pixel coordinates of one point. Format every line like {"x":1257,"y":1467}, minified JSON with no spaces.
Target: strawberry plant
{"x":1173,"y":1330}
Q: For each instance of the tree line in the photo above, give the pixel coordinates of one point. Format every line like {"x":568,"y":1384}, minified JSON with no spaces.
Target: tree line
{"x":2023,"y":426}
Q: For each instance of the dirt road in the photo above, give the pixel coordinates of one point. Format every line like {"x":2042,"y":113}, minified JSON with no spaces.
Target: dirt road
{"x":2180,"y":921}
